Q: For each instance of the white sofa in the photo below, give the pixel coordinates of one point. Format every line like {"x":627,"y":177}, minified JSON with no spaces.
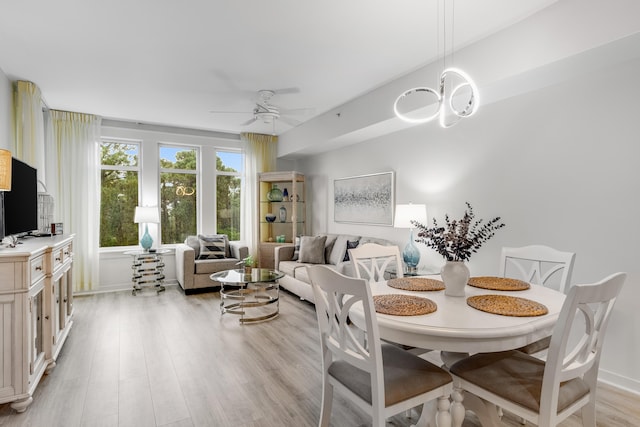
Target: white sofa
{"x":295,"y":277}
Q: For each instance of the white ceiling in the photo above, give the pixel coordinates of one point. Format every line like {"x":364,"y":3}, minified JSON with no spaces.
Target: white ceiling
{"x":172,"y":62}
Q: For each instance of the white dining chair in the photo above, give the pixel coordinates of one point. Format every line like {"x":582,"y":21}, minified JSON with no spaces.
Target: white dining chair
{"x":371,"y":261}
{"x":539,"y":265}
{"x":381,"y":379}
{"x":545,"y":393}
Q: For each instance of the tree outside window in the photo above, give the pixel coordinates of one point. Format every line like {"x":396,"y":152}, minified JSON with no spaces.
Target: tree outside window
{"x":178,"y":193}
{"x":229,"y":167}
{"x":119,"y":170}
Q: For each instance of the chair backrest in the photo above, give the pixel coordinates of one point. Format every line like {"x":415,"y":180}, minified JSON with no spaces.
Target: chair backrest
{"x":371,"y":260}
{"x":335,"y":294}
{"x":538,"y":264}
{"x":565,"y":362}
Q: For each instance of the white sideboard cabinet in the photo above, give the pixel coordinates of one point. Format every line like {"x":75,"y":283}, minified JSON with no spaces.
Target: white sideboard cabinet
{"x":36,"y":309}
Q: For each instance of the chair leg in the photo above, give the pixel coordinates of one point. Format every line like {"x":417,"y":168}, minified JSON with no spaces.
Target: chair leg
{"x":327,"y":400}
{"x":588,"y":413}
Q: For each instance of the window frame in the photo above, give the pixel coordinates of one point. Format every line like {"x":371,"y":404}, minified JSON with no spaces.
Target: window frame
{"x":197,"y":172}
{"x":137,"y":169}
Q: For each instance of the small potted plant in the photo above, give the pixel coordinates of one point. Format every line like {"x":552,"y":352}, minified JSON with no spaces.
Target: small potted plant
{"x":456,"y":242}
{"x":249,"y":263}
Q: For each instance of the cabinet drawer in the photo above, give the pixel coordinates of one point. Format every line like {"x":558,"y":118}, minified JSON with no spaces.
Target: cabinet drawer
{"x":66,"y":253}
{"x":58,"y":258}
{"x":37,"y":269}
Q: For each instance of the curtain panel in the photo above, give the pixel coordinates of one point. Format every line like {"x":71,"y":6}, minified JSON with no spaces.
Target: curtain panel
{"x":29,"y":143}
{"x":74,"y":144}
{"x":260,"y":156}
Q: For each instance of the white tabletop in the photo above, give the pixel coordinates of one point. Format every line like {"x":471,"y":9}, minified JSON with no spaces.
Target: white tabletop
{"x":457,"y":327}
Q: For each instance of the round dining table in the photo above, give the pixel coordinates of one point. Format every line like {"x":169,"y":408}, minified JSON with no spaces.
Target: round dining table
{"x":457,"y":328}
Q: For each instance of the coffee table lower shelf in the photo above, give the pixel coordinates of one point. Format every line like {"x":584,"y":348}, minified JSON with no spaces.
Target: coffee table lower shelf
{"x":253,"y":302}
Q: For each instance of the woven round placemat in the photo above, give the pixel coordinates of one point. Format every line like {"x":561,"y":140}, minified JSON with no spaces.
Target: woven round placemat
{"x":403,"y":305}
{"x":507,"y":305}
{"x":416,"y":284}
{"x":498,"y":283}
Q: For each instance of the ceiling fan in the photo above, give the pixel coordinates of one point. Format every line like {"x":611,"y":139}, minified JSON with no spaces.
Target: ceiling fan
{"x":269,"y":113}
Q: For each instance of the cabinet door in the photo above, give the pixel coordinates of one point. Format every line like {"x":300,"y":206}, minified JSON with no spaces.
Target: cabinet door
{"x":11,"y":372}
{"x":35,"y":327}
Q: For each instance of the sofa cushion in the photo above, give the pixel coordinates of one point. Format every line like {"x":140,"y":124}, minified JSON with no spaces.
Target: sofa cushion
{"x":351,"y":244}
{"x":339,"y":248}
{"x":209,"y":266}
{"x":312,"y":249}
{"x":214,"y":246}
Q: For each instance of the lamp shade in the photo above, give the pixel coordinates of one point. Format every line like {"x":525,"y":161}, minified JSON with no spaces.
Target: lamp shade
{"x":146,"y":214}
{"x":5,"y":170}
{"x":407,"y":213}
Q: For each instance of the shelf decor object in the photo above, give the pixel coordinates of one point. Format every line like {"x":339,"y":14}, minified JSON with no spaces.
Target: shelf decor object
{"x":403,"y":217}
{"x":145,"y":215}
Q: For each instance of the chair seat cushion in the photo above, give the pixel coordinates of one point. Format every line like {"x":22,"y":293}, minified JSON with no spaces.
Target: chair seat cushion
{"x":515,"y":376}
{"x":209,"y":266}
{"x":405,"y":376}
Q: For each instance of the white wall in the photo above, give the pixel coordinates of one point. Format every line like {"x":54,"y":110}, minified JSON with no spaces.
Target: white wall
{"x":559,"y":165}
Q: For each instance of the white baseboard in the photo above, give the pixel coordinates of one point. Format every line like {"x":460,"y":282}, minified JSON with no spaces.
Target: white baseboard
{"x":616,"y":380}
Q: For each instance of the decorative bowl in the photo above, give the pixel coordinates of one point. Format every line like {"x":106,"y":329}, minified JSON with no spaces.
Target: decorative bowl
{"x":270,"y":217}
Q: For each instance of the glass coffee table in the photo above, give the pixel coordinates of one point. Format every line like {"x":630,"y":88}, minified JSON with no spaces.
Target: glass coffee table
{"x":254,"y":296}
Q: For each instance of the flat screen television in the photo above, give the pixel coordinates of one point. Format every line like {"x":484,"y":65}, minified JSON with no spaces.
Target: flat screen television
{"x":21,"y":203}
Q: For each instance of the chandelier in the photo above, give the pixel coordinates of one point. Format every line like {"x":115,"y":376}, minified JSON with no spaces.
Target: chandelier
{"x":456,"y":97}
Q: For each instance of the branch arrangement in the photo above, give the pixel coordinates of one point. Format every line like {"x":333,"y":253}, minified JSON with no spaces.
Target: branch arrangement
{"x":458,"y":239}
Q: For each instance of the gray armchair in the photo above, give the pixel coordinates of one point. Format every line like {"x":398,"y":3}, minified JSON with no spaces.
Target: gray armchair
{"x":193,"y":273}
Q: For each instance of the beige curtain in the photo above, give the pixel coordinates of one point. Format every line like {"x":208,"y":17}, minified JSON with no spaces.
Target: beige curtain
{"x":260,"y":156}
{"x":29,"y":122}
{"x":74,"y":144}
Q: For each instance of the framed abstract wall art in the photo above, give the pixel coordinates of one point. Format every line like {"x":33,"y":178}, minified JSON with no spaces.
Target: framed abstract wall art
{"x":364,"y":199}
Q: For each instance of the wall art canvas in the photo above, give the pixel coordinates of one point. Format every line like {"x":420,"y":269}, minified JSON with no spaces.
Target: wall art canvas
{"x":364,"y":199}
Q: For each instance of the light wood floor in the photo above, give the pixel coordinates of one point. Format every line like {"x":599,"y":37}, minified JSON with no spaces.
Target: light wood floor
{"x":172,"y":360}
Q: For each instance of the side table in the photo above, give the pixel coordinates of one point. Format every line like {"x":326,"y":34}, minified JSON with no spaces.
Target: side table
{"x":147,"y":269}
{"x":252,"y":295}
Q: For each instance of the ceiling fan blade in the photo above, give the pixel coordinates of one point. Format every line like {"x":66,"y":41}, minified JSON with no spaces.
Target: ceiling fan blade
{"x":286,"y":90}
{"x":229,"y":112}
{"x":296,"y":111}
{"x":290,"y":121}
{"x":248,"y":122}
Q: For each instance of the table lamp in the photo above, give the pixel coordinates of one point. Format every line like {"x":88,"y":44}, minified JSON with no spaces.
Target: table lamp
{"x":145,"y":215}
{"x":404,"y":215}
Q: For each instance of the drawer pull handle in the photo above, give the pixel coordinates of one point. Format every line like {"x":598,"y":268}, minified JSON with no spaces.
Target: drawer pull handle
{"x":38,"y":268}
{"x":58,"y":259}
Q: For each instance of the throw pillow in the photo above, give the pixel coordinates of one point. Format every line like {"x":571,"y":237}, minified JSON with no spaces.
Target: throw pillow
{"x":312,"y":249}
{"x":339,"y":247}
{"x":351,"y":244}
{"x":213,"y":247}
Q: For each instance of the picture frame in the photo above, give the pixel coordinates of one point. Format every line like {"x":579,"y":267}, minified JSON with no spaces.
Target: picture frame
{"x":365,"y":199}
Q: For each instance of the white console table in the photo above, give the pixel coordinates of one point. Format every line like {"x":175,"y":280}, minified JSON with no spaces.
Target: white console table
{"x":36,"y":301}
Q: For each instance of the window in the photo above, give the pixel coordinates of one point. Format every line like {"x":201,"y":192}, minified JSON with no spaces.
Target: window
{"x":120,"y":167}
{"x":178,"y":193}
{"x":228,"y":193}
